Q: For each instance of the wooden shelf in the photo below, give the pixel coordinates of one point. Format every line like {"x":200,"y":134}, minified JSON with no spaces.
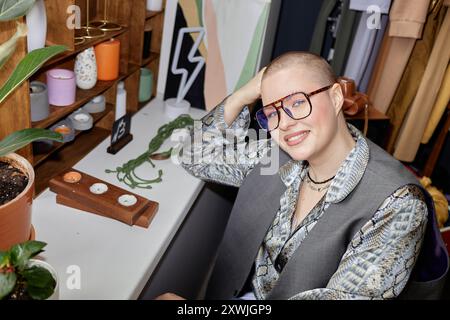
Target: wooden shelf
{"x":16,"y":114}
{"x":132,"y":68}
{"x":68,"y":156}
{"x":153,"y":56}
{"x":150,"y":14}
{"x":57,"y":146}
{"x":82,"y":97}
{"x":87,"y":44}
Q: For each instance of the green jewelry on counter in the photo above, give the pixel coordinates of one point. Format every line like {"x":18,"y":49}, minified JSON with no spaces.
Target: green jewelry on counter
{"x":127,"y":172}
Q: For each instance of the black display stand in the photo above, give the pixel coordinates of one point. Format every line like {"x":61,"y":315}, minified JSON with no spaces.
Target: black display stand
{"x":120,"y":136}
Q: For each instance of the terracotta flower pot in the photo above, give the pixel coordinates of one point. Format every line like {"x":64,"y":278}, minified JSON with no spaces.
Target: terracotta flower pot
{"x":15,"y":216}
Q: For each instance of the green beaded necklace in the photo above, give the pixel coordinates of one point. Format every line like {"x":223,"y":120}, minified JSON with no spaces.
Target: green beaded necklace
{"x":127,"y":172}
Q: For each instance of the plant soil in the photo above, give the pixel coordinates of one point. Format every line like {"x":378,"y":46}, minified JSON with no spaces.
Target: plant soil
{"x":19,"y":293}
{"x":12,"y":182}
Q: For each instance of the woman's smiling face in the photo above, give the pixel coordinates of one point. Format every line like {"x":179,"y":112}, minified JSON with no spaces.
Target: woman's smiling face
{"x":305,"y":138}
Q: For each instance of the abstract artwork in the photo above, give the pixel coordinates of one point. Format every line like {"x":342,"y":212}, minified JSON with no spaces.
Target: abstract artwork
{"x":231,"y":48}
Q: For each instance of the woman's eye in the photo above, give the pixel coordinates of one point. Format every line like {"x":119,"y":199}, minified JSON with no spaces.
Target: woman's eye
{"x":298,"y":103}
{"x":271,"y":114}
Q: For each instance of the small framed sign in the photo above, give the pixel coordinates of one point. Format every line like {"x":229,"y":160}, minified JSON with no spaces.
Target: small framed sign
{"x":120,"y":136}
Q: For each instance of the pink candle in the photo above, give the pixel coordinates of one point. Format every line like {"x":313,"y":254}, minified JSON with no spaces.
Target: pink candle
{"x":62,"y":87}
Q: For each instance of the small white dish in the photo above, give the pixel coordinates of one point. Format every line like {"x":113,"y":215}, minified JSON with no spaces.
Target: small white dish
{"x":127,"y":200}
{"x":98,"y":188}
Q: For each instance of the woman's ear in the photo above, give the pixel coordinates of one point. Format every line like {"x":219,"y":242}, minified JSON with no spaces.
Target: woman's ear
{"x":337,"y":98}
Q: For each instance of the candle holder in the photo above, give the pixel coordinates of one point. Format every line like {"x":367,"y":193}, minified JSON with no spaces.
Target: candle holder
{"x":40,"y":108}
{"x":145,"y":85}
{"x":87,"y":31}
{"x":105,"y":24}
{"x":81,"y":120}
{"x":61,"y":85}
{"x":96,"y":105}
{"x":66,"y":129}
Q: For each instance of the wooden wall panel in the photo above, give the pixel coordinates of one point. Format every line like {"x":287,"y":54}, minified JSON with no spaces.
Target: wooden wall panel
{"x":15,"y":110}
{"x":57,"y":17}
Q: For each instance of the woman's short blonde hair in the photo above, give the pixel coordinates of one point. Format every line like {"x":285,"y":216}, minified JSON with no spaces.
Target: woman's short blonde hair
{"x":313,"y":65}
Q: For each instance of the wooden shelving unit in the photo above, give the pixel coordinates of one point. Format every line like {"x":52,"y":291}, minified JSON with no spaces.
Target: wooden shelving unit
{"x":153,"y":57}
{"x":85,"y":45}
{"x":141,"y":19}
{"x":38,"y":159}
{"x":83,"y":97}
{"x":15,"y":112}
{"x":67,"y":157}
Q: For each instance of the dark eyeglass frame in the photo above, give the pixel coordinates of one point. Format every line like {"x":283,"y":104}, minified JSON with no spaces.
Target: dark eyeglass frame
{"x":281,"y":106}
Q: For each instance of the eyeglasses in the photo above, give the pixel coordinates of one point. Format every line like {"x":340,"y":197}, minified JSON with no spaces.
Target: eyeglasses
{"x":296,"y":105}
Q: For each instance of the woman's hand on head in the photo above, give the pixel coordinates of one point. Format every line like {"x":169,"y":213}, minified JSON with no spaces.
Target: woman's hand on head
{"x":245,"y":96}
{"x":251,"y":91}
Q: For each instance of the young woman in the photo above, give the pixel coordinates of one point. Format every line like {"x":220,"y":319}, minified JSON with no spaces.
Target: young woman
{"x":341,"y":219}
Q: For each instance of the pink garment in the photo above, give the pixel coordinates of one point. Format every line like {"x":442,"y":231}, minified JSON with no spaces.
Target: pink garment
{"x":215,"y":83}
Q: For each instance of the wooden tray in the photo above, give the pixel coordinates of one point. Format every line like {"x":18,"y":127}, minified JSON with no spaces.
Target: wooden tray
{"x":78,"y":196}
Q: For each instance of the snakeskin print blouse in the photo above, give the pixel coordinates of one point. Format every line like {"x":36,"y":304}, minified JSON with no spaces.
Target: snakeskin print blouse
{"x":380,"y":257}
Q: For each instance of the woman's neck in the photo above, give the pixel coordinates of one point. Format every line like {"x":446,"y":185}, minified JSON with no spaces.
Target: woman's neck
{"x":327,"y":163}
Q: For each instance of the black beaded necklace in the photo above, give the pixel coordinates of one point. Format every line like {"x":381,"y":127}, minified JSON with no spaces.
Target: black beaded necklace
{"x":319,"y":182}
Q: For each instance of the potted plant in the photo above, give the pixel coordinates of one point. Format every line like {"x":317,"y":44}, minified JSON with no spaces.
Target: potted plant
{"x":23,"y":278}
{"x":16,"y":173}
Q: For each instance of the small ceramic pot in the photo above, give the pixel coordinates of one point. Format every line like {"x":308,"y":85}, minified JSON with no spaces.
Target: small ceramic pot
{"x":65,"y":128}
{"x":81,"y":120}
{"x":86,"y":69}
{"x":145,"y":85}
{"x":96,"y":105}
{"x":61,"y":85}
{"x":37,"y":26}
{"x":40,"y":108}
{"x":45,"y":265}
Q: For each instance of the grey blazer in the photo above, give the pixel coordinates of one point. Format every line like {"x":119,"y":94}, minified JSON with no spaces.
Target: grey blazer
{"x":318,"y":257}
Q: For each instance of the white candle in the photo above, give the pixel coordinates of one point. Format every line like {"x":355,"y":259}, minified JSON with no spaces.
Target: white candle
{"x":154,"y":5}
{"x":121,"y":101}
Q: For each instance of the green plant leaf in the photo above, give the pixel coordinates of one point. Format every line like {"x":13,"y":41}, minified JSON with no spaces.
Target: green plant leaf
{"x":22,"y":253}
{"x":20,"y":139}
{"x":7,"y":283}
{"x":40,"y":282}
{"x":27,"y":67}
{"x":4,"y":259}
{"x":13,"y":9}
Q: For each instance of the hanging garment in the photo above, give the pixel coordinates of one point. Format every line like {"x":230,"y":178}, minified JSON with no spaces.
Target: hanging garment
{"x":409,"y":84}
{"x":343,"y":33}
{"x":321,"y":26}
{"x":367,"y":73}
{"x":405,"y":26}
{"x":413,"y":128}
{"x":290,"y":35}
{"x":364,"y":40}
{"x":439,"y":107}
{"x":329,"y":41}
